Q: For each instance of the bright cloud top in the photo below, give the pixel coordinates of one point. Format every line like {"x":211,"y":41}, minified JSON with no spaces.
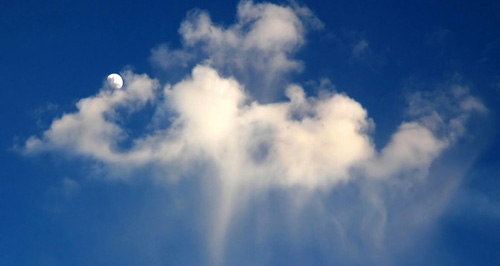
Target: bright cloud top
{"x":260,"y":43}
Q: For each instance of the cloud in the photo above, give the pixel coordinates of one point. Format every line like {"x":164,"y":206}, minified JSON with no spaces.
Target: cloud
{"x":360,"y":48}
{"x":268,"y":29}
{"x":91,"y":131}
{"x":261,"y":43}
{"x":307,"y":142}
{"x":69,"y":187}
{"x":209,"y":125}
{"x":215,"y":119}
{"x":166,"y":58}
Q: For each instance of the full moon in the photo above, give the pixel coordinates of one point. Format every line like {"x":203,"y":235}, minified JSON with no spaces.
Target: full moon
{"x":115,"y":81}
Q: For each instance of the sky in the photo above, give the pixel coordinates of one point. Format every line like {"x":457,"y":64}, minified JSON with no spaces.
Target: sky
{"x":250,"y":133}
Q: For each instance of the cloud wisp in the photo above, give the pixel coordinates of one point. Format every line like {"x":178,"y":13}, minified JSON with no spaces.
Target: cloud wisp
{"x":214,"y":120}
{"x":261,"y":43}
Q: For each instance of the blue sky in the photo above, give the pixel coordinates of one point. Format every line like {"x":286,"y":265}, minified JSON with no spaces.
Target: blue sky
{"x":274,"y":133}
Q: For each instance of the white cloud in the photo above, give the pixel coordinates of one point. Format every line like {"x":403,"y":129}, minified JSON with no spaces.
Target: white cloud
{"x":261,"y":43}
{"x":247,"y":145}
{"x":309,"y":142}
{"x":412,"y":147}
{"x":92,"y":130}
{"x":306,"y":142}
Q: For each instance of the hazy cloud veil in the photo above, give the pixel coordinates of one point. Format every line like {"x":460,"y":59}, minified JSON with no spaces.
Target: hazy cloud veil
{"x":304,"y":171}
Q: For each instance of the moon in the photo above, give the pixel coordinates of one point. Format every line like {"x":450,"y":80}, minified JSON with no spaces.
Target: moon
{"x":115,"y":81}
